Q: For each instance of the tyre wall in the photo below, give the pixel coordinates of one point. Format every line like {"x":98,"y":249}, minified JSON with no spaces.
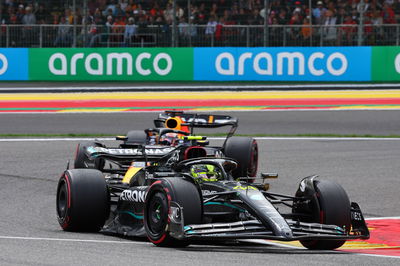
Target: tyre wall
{"x":288,"y":64}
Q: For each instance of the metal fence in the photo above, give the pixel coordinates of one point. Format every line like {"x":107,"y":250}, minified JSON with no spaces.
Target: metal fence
{"x":198,"y":36}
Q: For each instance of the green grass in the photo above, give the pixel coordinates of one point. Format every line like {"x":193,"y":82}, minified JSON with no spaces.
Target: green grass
{"x":97,"y":135}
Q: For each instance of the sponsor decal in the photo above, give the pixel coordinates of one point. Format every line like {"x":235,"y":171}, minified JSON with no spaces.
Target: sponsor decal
{"x":117,"y":151}
{"x":111,"y":64}
{"x":257,"y":197}
{"x":276,"y":66}
{"x":208,"y":192}
{"x":97,"y":65}
{"x":283,"y":63}
{"x":138,"y":164}
{"x":133,"y":195}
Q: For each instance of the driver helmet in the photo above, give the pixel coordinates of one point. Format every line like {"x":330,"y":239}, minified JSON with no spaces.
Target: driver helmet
{"x":169,"y":139}
{"x":205,"y":172}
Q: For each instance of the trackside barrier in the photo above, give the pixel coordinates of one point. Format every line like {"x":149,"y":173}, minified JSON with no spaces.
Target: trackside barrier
{"x":289,"y":64}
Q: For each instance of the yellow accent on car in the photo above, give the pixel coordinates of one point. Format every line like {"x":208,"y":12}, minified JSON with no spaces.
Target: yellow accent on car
{"x":130,"y":173}
{"x":245,"y":188}
{"x":193,"y":137}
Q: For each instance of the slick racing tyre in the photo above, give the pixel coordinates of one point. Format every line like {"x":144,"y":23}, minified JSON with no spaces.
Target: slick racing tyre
{"x":157,"y":207}
{"x":82,"y":160}
{"x":245,"y":151}
{"x":82,"y":200}
{"x":334,"y":208}
{"x":136,"y":137}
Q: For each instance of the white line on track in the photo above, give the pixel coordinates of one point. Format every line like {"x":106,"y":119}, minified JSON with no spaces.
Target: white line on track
{"x":73,"y":240}
{"x":211,"y":138}
{"x":259,"y":241}
{"x":383,"y":218}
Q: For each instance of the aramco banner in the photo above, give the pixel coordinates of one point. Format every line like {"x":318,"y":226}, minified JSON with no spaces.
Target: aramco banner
{"x":14,"y":64}
{"x":282,"y":64}
{"x":111,"y":64}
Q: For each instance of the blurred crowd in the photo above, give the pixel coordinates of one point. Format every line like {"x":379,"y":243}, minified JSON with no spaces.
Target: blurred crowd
{"x":126,"y":19}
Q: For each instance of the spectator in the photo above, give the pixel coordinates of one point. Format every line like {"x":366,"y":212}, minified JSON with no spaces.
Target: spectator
{"x":118,"y":29}
{"x":28,"y":30}
{"x":330,"y":30}
{"x":184,"y":32}
{"x":282,"y":17}
{"x":29,"y":18}
{"x":142,"y":24}
{"x":92,"y":32}
{"x":63,"y":38}
{"x":306,"y":32}
{"x":111,"y":6}
{"x":123,"y":4}
{"x":211,"y":27}
{"x":179,"y":12}
{"x":169,"y":13}
{"x":155,"y":10}
{"x":130,"y":31}
{"x":20,"y":13}
{"x":118,"y":11}
{"x":349,"y":30}
{"x":319,"y":12}
{"x":388,"y":14}
{"x":42,"y":15}
{"x":107,"y":13}
{"x":15,"y":34}
{"x":108,"y":30}
{"x":192,"y":31}
{"x":368,"y":29}
{"x":295,"y":31}
{"x":69,"y":16}
{"x":219,"y":37}
{"x":275,"y":33}
{"x":98,"y":17}
{"x":255,"y":18}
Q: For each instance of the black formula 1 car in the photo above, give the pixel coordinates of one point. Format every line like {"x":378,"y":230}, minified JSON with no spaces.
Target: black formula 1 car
{"x":173,"y":138}
{"x":199,"y":199}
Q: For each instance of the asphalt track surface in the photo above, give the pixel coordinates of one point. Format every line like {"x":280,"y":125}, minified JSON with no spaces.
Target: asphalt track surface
{"x":360,"y":122}
{"x":29,"y":170}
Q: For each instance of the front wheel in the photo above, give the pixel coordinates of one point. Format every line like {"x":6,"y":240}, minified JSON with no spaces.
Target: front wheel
{"x":331,"y":206}
{"x":157,"y":209}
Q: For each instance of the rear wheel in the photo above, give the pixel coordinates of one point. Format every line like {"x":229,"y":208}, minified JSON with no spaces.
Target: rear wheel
{"x":82,"y":200}
{"x":334,"y":208}
{"x":83,"y":161}
{"x":245,"y":151}
{"x":157,"y":208}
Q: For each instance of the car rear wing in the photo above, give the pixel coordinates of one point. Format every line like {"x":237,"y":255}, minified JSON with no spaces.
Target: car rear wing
{"x":194,"y":120}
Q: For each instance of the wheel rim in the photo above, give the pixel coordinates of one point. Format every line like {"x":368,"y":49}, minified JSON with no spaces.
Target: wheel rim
{"x":157,"y":214}
{"x":62,"y":200}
